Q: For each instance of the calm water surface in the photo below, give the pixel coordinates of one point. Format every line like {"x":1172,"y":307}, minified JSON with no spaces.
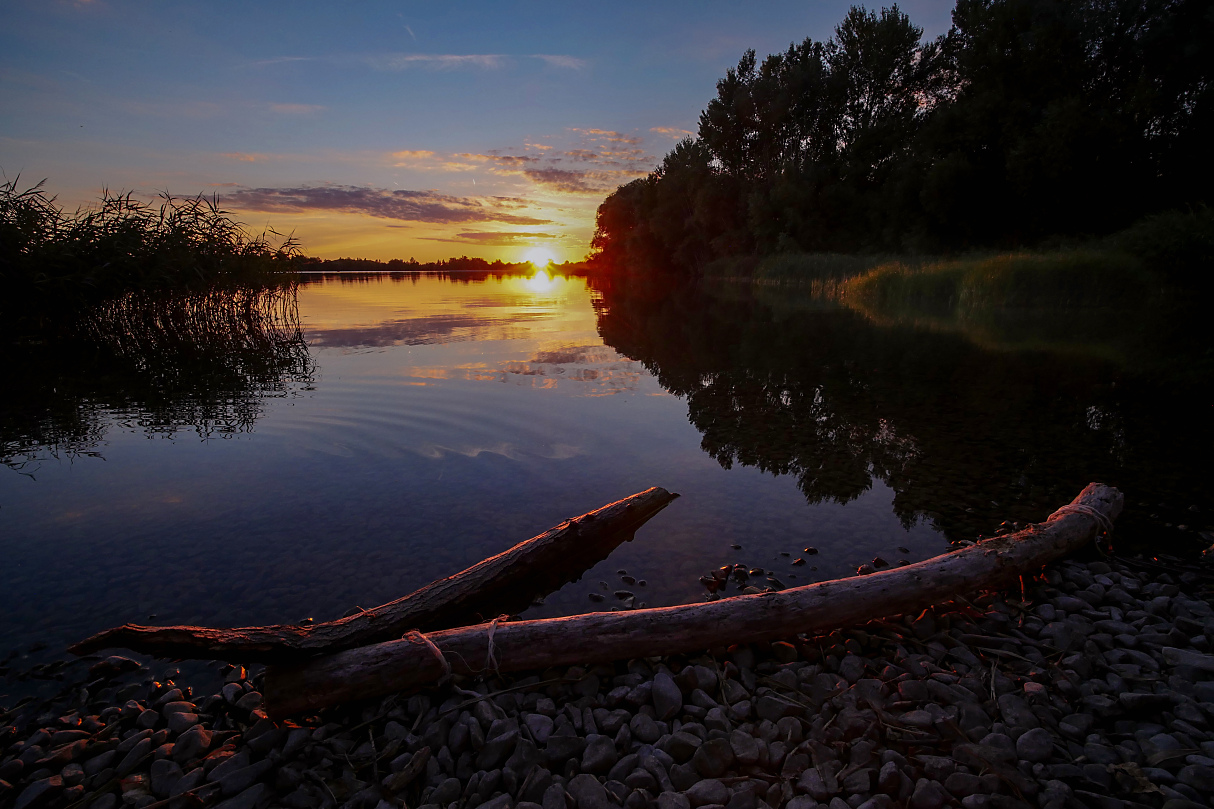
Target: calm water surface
{"x":424,"y":423}
{"x":439,"y":422}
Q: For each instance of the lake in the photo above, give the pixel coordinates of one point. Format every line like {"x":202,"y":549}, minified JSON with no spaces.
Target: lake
{"x":346,"y":441}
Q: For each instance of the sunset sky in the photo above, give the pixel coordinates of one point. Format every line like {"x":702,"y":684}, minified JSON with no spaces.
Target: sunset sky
{"x":377,"y":129}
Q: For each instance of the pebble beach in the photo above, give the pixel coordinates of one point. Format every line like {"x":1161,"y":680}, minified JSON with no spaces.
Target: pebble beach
{"x":1094,"y":687}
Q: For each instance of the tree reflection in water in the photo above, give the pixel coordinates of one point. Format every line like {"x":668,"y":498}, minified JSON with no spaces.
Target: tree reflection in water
{"x":967,"y":436}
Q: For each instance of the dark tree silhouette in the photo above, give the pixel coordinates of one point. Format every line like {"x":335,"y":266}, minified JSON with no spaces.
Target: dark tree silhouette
{"x":1029,"y":119}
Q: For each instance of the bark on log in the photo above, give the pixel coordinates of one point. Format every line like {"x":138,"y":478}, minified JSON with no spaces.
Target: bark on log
{"x":505,"y":583}
{"x":605,"y":636}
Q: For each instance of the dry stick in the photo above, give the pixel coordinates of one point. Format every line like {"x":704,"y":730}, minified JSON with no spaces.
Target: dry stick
{"x":606,"y":636}
{"x":506,"y":582}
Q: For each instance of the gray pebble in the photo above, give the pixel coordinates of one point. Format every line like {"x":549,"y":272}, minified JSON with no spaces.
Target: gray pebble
{"x":1035,"y":745}
{"x":248,"y":799}
{"x":713,"y":758}
{"x":588,"y":792}
{"x":667,"y":698}
{"x":708,"y":791}
{"x":600,"y":755}
{"x":644,"y":728}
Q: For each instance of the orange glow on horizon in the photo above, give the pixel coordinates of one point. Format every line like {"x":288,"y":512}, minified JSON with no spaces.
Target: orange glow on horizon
{"x":539,"y":257}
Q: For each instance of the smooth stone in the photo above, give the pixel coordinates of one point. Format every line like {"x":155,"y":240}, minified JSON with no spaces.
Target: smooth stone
{"x":600,"y":755}
{"x":1198,"y":776}
{"x":1035,"y":745}
{"x":927,"y":795}
{"x":889,"y":779}
{"x":745,"y":748}
{"x":683,"y":776}
{"x":623,"y":767}
{"x":180,"y":706}
{"x":237,"y":781}
{"x":446,"y":792}
{"x":165,"y":775}
{"x":682,"y":746}
{"x":1016,"y":712}
{"x":642,"y":779}
{"x":708,"y":791}
{"x":135,"y":757}
{"x":191,"y":780}
{"x":539,"y":725}
{"x":231,"y":764}
{"x":963,"y":784}
{"x":667,"y":697}
{"x":588,"y":792}
{"x":811,"y":781}
{"x":771,"y":708}
{"x":247,"y":799}
{"x":644,"y":728}
{"x":673,"y":800}
{"x":561,"y":748}
{"x":713,"y":758}
{"x":181,"y":722}
{"x":192,"y":744}
{"x":39,"y":793}
{"x":937,"y":768}
{"x":503,"y":801}
{"x":860,"y":781}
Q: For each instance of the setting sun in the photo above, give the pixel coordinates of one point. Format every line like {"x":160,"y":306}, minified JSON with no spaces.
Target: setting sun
{"x":539,"y":257}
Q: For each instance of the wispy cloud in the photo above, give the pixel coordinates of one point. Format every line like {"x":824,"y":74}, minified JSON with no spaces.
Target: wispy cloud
{"x":609,"y":135}
{"x":672,"y":132}
{"x":402,"y":205}
{"x":176,"y":109}
{"x":499,"y":238}
{"x":453,"y":61}
{"x":562,"y":180}
{"x":247,"y":157}
{"x":407,"y":157}
{"x":295,"y":109}
{"x":560,"y":60}
{"x":280,"y":60}
{"x":437,"y":61}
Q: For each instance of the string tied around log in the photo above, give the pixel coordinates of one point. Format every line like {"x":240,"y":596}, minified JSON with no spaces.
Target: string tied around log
{"x":415,"y":636}
{"x":491,"y":663}
{"x":1102,"y":520}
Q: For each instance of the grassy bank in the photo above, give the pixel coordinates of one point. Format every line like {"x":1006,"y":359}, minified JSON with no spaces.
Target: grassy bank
{"x":1167,"y":252}
{"x":52,"y":260}
{"x":1069,"y":278}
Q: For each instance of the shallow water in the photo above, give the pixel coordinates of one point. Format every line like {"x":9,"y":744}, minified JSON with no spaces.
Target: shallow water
{"x":431,"y":422}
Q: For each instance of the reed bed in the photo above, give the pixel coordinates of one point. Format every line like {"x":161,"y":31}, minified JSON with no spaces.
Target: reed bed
{"x":52,"y":259}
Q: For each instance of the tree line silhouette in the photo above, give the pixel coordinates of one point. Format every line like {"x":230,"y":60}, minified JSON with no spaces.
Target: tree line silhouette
{"x":1029,"y":120}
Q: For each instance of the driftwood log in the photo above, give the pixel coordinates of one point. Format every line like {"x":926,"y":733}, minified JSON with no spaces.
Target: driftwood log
{"x":505,"y":583}
{"x":605,"y":636}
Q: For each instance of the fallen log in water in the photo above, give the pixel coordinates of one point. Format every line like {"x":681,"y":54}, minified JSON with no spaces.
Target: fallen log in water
{"x":605,"y":636}
{"x":505,"y":583}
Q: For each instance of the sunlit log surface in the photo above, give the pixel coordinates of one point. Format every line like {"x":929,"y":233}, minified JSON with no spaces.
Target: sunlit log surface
{"x":606,"y":636}
{"x":506,"y":583}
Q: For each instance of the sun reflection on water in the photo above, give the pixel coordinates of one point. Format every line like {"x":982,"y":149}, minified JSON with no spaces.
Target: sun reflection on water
{"x":540,"y":282}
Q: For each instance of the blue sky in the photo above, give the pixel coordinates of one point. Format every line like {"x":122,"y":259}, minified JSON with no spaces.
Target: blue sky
{"x":377,"y":129}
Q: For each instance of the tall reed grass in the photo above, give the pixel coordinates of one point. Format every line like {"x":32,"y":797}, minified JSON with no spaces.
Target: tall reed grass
{"x":49,"y":257}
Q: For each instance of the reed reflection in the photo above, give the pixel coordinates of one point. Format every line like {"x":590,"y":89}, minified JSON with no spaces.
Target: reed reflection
{"x":156,"y":363}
